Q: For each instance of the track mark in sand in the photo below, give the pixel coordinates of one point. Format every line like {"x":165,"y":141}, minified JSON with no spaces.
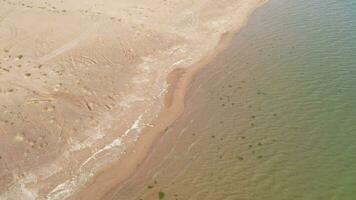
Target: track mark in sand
{"x":69,"y":45}
{"x":90,"y":60}
{"x":4,"y":16}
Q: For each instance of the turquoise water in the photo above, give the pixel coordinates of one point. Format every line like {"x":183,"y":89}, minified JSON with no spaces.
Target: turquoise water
{"x":273,"y":118}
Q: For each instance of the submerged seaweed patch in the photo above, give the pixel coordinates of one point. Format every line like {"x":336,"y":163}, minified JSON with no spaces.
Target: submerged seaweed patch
{"x":161,"y":195}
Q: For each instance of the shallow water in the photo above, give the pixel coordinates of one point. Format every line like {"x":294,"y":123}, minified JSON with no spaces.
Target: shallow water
{"x":273,"y":118}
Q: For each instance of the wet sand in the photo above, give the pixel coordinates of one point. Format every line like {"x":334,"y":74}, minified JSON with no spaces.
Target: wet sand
{"x":85,"y":93}
{"x":278,"y":125}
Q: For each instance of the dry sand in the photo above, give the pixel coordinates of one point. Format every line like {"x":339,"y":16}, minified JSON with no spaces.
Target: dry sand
{"x":86,"y":86}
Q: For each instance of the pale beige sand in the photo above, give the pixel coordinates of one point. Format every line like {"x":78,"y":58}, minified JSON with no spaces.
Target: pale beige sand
{"x":83,"y":86}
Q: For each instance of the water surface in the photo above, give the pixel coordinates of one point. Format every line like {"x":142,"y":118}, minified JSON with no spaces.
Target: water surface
{"x":273,"y":118}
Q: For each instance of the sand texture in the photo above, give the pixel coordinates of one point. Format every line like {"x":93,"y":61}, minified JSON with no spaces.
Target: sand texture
{"x":86,"y":85}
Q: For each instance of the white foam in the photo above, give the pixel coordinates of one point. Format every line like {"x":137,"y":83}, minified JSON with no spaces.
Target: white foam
{"x":183,"y":61}
{"x":116,"y":143}
{"x":62,"y":190}
{"x":68,"y":187}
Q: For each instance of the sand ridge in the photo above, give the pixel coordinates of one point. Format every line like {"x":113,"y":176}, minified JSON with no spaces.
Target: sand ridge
{"x":81,"y":80}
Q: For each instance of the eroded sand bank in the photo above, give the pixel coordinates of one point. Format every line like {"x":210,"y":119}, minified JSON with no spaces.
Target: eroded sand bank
{"x":83,"y":86}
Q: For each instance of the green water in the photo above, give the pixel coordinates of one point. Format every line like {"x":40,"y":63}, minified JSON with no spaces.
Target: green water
{"x":305,"y":68}
{"x":273,"y":118}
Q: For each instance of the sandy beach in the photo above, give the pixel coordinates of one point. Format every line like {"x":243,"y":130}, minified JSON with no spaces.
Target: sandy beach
{"x":87,"y":86}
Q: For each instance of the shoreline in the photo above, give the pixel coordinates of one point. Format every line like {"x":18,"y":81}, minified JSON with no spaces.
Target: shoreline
{"x":179,"y":80}
{"x":85,"y":103}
